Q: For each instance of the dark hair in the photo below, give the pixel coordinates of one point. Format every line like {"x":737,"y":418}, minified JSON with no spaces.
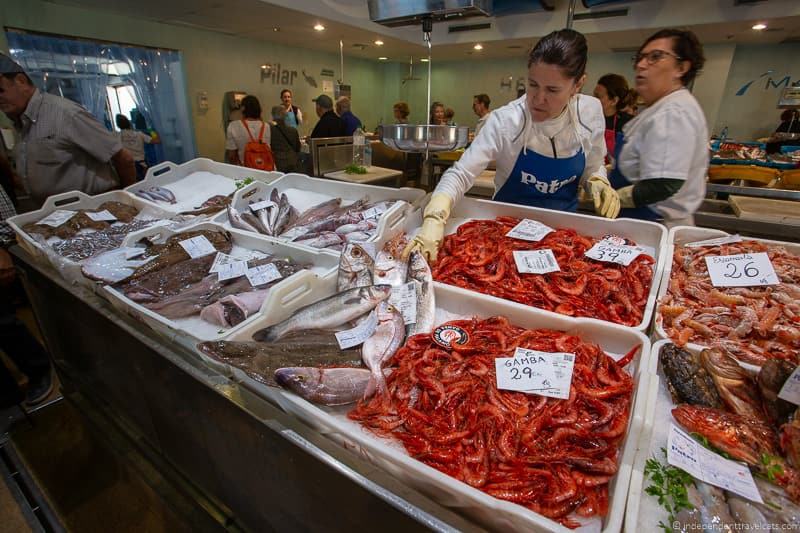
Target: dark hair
{"x":251,"y":107}
{"x":402,"y":107}
{"x":565,"y":48}
{"x":617,"y":87}
{"x":686,"y":46}
{"x":286,"y":91}
{"x":483,"y":99}
{"x":434,"y":106}
{"x":123,"y":123}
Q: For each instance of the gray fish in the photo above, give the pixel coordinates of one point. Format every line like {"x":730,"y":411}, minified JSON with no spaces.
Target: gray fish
{"x":777,"y":507}
{"x":746,"y":512}
{"x":328,"y":313}
{"x":357,"y":236}
{"x":355,"y":268}
{"x":688,"y":520}
{"x":285,"y":216}
{"x":382,"y":345}
{"x":771,"y":378}
{"x":237,"y":221}
{"x":420,"y":272}
{"x":323,"y":240}
{"x":254,"y":221}
{"x":326,"y":386}
{"x":317,"y":212}
{"x":715,"y":514}
{"x":389,"y":269}
{"x":263,"y":216}
{"x":687,"y":380}
{"x":275,"y":198}
{"x":235,"y":308}
{"x":362,"y":226}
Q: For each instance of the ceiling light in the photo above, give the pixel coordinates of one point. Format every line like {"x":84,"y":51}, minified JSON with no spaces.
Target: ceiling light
{"x":424,"y":60}
{"x":478,"y":46}
{"x":319,"y":27}
{"x":264,"y":67}
{"x":378,"y":43}
{"x":382,"y":58}
{"x":760,"y":26}
{"x":276,"y":29}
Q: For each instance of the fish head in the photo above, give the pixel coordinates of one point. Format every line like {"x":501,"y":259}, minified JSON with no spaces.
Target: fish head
{"x":387,"y":312}
{"x":376,"y":293}
{"x":389,"y":268}
{"x":301,"y":380}
{"x":355,"y":259}
{"x":418,"y":266}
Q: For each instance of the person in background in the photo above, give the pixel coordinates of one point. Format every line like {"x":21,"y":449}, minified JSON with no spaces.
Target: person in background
{"x":614,"y":94}
{"x":250,"y":130}
{"x":285,"y":142}
{"x":61,"y":147}
{"x":480,"y":105}
{"x":294,"y":117}
{"x":351,"y":122}
{"x":330,"y":124}
{"x":401,"y":112}
{"x":790,"y":122}
{"x":436,"y":116}
{"x":449,"y":113}
{"x":661,"y":162}
{"x":134,"y":141}
{"x":634,"y":103}
{"x":546,"y":144}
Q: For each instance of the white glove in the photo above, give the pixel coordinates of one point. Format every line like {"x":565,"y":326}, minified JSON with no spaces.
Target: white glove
{"x":606,"y":201}
{"x":431,"y":234}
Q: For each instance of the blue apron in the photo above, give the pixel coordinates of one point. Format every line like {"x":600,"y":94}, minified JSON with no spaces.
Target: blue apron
{"x":540,"y":181}
{"x":618,"y":181}
{"x":291,"y":118}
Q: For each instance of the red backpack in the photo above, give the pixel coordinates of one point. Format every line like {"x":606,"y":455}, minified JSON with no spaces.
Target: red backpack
{"x":257,"y":154}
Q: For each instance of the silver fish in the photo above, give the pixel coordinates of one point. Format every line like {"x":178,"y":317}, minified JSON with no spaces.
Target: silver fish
{"x":318,"y":212}
{"x":420,"y":273}
{"x":163,"y":194}
{"x":357,"y":236}
{"x":285,"y":216}
{"x":323,"y":240}
{"x":381,"y":346}
{"x":237,"y":221}
{"x":263,"y":216}
{"x":389,"y":269}
{"x":363,"y":225}
{"x":328,"y":313}
{"x":254,"y":221}
{"x":326,"y":386}
{"x":746,"y":512}
{"x":355,"y":268}
{"x":714,"y":512}
{"x":777,"y":507}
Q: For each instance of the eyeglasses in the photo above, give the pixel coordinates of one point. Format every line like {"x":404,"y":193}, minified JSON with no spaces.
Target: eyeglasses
{"x":653,"y":57}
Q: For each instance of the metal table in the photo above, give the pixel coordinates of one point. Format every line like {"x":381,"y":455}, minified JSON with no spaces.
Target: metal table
{"x":250,"y":465}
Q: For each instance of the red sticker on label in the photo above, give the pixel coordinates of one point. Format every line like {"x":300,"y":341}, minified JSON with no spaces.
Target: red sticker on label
{"x":446,"y":336}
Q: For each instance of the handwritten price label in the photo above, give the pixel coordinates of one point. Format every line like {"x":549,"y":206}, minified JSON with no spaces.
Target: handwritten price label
{"x":360,"y":333}
{"x":620,"y":254}
{"x":536,"y":261}
{"x":535,"y":372}
{"x":231,"y":270}
{"x":374,"y":212}
{"x":100,"y":216}
{"x":57,"y":217}
{"x":791,"y":389}
{"x":264,"y":204}
{"x":261,"y":275}
{"x":197,"y":246}
{"x":741,"y":270}
{"x":529,"y":230}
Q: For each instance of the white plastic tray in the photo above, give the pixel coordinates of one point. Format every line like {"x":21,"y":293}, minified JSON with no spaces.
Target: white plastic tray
{"x":284,"y":297}
{"x":494,"y":513}
{"x":194,"y":182}
{"x":643,"y":232}
{"x":304,"y":192}
{"x":682,"y":235}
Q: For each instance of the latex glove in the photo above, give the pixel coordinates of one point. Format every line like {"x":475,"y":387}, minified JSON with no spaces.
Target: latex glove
{"x":626,"y":197}
{"x":606,"y":201}
{"x":431,"y":234}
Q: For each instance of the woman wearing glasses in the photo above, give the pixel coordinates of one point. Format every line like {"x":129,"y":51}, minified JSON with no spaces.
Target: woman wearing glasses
{"x":546,"y":143}
{"x":660,"y":164}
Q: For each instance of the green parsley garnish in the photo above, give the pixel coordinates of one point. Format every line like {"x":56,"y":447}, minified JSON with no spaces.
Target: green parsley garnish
{"x":355,"y":169}
{"x":669,"y":487}
{"x":243,"y":183}
{"x":773,"y":466}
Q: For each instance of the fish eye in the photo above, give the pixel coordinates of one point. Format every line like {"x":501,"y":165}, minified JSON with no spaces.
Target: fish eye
{"x":301,"y":378}
{"x":356,"y":252}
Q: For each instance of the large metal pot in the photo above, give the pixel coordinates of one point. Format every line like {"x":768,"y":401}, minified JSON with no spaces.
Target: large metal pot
{"x":422,"y":137}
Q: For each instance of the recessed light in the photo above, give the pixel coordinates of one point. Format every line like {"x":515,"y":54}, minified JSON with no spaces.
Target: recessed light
{"x":378,"y":43}
{"x":760,"y":26}
{"x":276,"y":29}
{"x":424,"y":60}
{"x":319,"y":27}
{"x":264,"y":67}
{"x":478,"y":46}
{"x":382,"y":58}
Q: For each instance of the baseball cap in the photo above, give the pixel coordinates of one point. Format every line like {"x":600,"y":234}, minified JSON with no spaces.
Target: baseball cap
{"x":9,"y":66}
{"x":324,"y":101}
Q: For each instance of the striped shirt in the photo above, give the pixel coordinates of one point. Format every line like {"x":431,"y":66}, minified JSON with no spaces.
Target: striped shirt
{"x":63,"y":148}
{"x":7,"y":237}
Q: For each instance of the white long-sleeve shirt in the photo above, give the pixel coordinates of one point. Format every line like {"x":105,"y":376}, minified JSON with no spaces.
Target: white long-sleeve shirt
{"x":510,"y":128}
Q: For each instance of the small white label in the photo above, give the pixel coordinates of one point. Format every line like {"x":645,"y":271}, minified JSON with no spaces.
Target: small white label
{"x":294,"y":233}
{"x":741,"y":270}
{"x":404,"y":299}
{"x":728,"y":239}
{"x":221,"y":259}
{"x":535,"y":372}
{"x":57,"y":217}
{"x":614,"y":253}
{"x":261,"y":275}
{"x":360,"y":333}
{"x":689,"y":455}
{"x":374,"y":212}
{"x":101,"y":216}
{"x":231,"y":270}
{"x":529,"y":230}
{"x":791,"y":389}
{"x":197,"y":246}
{"x":262,"y":205}
{"x":536,"y":261}
{"x":133,"y":252}
{"x":162,"y":222}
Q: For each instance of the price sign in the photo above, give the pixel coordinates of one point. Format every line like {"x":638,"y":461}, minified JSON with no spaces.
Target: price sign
{"x":404,"y":299}
{"x":728,"y":239}
{"x":741,"y":270}
{"x":535,"y":372}
{"x":374,"y":212}
{"x":620,"y":254}
{"x":100,"y":216}
{"x":791,"y":389}
{"x":261,"y":275}
{"x":57,"y":217}
{"x":265,"y":204}
{"x":360,"y":333}
{"x":529,"y":230}
{"x":231,"y":270}
{"x":197,"y":246}
{"x":219,"y":260}
{"x":536,"y":261}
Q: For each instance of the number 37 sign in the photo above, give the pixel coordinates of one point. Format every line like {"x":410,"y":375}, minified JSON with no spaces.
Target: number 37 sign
{"x":741,"y":270}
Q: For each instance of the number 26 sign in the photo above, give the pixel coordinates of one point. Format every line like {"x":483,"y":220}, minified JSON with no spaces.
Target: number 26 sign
{"x":741,"y":270}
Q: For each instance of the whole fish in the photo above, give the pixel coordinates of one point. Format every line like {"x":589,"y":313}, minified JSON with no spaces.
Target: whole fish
{"x":747,"y":512}
{"x":328,"y":313}
{"x":737,"y":391}
{"x":256,"y":222}
{"x":326,"y":386}
{"x":358,"y":236}
{"x":272,"y":219}
{"x":286,"y":215}
{"x":355,"y":268}
{"x":420,"y":273}
{"x":777,"y":506}
{"x":690,"y":519}
{"x":315,"y":213}
{"x":234,"y":309}
{"x":323,"y":240}
{"x":362,"y":226}
{"x":382,"y":345}
{"x":162,"y":194}
{"x":172,"y":252}
{"x":687,"y":380}
{"x":715,"y":513}
{"x":390,"y":269}
{"x":237,"y":220}
{"x":260,"y":361}
{"x":264,"y":218}
{"x":112,"y":266}
{"x":212,"y":205}
{"x":168,"y":281}
{"x":771,"y":377}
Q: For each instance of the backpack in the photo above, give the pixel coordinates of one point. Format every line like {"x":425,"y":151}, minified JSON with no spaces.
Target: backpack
{"x":257,"y":154}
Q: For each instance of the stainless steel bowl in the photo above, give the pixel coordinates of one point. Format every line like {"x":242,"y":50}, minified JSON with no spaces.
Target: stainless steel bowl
{"x":418,"y":137}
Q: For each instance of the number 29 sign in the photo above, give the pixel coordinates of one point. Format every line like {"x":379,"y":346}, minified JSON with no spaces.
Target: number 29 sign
{"x":741,"y":270}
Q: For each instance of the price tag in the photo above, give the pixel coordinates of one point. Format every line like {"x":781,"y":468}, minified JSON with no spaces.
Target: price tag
{"x":262,"y":205}
{"x":529,"y":230}
{"x":543,"y":373}
{"x":219,"y":260}
{"x":294,"y":233}
{"x":231,"y":270}
{"x":614,"y":253}
{"x":689,"y":455}
{"x":728,"y":239}
{"x":741,"y":270}
{"x":197,"y":246}
{"x":791,"y":389}
{"x":374,"y":212}
{"x":130,"y":253}
{"x":360,"y":333}
{"x":261,"y":275}
{"x":101,"y":216}
{"x":57,"y":217}
{"x":404,"y":299}
{"x":536,"y":261}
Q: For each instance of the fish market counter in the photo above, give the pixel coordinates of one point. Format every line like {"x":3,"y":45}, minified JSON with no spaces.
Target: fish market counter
{"x":251,"y":465}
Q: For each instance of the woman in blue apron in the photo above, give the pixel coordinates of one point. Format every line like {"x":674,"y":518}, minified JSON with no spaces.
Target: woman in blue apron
{"x":294,"y":117}
{"x":661,"y":161}
{"x":546,"y":144}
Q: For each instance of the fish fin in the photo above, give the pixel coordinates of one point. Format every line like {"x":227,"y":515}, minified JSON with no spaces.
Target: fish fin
{"x":371,"y":387}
